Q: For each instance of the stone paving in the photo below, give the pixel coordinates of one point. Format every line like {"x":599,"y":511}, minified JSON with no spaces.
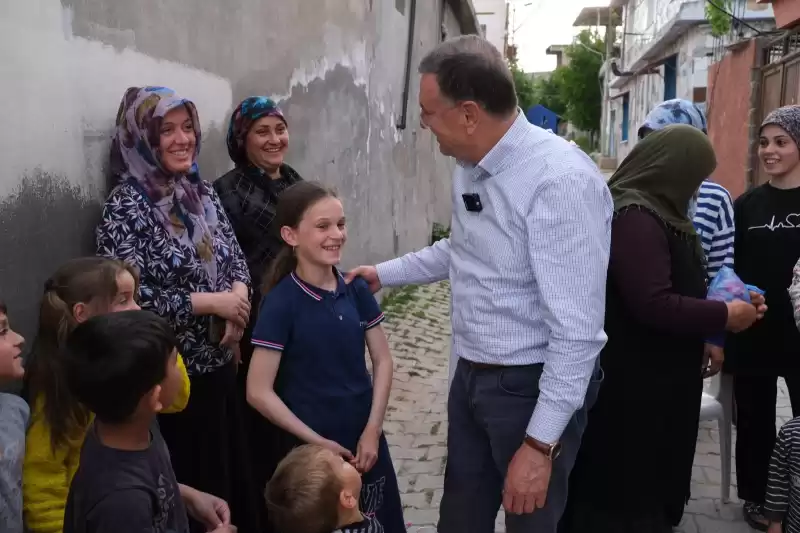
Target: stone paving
{"x":418,"y":327}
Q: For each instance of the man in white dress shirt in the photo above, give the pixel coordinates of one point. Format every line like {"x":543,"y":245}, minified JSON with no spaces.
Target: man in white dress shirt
{"x":527,"y":260}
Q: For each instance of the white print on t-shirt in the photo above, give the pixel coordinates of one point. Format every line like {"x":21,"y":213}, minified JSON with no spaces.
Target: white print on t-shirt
{"x":792,"y":220}
{"x":166,"y":501}
{"x":372,"y":496}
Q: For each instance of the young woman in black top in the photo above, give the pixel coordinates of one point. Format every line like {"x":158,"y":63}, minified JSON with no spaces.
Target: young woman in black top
{"x":766,"y":249}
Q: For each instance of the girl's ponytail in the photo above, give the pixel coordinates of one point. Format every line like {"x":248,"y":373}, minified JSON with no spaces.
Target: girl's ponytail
{"x":91,"y":281}
{"x":283,"y":265}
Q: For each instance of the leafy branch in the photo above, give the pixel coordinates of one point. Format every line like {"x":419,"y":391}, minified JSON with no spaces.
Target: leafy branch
{"x":718,"y":17}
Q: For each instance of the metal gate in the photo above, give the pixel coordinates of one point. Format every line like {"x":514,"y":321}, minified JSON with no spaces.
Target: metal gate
{"x":780,"y":80}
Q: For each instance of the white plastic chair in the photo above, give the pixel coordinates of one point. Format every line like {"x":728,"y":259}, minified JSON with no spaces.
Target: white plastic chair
{"x":717,"y":404}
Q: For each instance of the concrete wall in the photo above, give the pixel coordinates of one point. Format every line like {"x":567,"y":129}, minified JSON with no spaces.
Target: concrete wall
{"x":492,"y":13}
{"x":730,"y":112}
{"x":337,"y":66}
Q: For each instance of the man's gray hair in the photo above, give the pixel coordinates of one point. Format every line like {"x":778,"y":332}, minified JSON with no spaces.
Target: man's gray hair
{"x":471,"y":68}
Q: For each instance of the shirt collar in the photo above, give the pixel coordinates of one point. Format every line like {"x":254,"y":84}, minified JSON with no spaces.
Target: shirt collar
{"x":315,"y":292}
{"x":501,"y":155}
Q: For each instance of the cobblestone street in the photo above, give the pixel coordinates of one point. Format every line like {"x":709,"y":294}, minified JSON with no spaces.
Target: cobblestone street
{"x":418,"y":327}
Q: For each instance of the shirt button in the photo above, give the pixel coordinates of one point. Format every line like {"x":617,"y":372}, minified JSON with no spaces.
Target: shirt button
{"x":340,"y":317}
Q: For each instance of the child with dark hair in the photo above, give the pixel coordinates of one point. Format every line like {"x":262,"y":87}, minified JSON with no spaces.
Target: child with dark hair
{"x":13,"y":423}
{"x":314,"y":490}
{"x":78,"y":290}
{"x":123,"y":368}
{"x":308,"y":374}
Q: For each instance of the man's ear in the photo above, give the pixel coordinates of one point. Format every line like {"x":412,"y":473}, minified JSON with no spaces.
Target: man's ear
{"x":471,"y":113}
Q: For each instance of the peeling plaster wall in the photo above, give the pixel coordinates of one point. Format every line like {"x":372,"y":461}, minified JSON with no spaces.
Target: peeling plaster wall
{"x":336,"y":66}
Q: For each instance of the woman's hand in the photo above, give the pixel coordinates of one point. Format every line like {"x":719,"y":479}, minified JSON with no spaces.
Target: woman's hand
{"x":741,"y":315}
{"x":367,"y":450}
{"x":338,"y":449}
{"x":233,"y":307}
{"x":713,"y":357}
{"x":759,"y":302}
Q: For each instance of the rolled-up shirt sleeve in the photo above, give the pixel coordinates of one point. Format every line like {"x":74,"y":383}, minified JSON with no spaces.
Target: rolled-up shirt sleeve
{"x":429,"y":265}
{"x":569,"y":235}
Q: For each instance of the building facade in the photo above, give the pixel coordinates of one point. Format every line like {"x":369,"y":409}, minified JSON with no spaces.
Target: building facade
{"x":787,"y":12}
{"x":493,"y":20}
{"x":666,"y":49}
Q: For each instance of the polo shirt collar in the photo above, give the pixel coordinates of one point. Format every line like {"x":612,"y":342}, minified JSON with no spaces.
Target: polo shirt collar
{"x":315,"y":292}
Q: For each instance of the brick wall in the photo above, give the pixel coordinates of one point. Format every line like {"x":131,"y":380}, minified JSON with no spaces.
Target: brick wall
{"x":731,"y":109}
{"x":787,"y":12}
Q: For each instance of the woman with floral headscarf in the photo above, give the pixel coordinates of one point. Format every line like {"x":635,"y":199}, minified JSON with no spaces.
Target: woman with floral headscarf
{"x":766,"y":250}
{"x":166,"y":221}
{"x":634,"y":466}
{"x":258,"y":138}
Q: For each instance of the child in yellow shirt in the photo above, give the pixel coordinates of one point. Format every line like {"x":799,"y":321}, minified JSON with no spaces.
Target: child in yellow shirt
{"x":80,"y":289}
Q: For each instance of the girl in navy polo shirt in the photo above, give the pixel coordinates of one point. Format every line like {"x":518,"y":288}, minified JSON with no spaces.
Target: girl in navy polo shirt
{"x":308,"y":374}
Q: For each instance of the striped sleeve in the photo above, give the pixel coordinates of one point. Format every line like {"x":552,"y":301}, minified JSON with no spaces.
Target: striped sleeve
{"x":274,"y":322}
{"x":794,"y":293}
{"x":715,"y":223}
{"x":776,"y":501}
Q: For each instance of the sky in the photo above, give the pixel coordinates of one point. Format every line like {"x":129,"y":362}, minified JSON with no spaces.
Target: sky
{"x":536,"y":24}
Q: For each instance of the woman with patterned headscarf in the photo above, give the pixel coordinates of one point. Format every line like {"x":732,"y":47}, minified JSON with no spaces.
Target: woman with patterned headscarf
{"x":258,"y":138}
{"x":767,"y":249}
{"x":168,"y":223}
{"x":634,"y":467}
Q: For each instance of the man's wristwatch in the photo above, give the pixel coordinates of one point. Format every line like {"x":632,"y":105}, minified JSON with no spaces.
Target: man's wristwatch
{"x":551,"y":451}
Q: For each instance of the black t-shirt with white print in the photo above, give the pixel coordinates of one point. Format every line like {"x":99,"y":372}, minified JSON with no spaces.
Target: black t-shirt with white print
{"x":125,"y":491}
{"x":766,"y":249}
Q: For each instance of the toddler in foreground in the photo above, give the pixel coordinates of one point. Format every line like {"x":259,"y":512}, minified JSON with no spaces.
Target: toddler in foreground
{"x":314,"y":490}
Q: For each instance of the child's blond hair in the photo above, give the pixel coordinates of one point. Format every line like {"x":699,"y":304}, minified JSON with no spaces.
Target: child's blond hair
{"x":303,"y":494}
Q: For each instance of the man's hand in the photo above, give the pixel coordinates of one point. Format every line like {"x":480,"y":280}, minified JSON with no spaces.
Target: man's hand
{"x":207,"y":509}
{"x":368,"y":273}
{"x":713,"y":357}
{"x":527,"y":481}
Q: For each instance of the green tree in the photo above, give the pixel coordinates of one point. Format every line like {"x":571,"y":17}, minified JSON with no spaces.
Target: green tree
{"x":579,"y":83}
{"x":548,"y":92}
{"x":524,"y":85}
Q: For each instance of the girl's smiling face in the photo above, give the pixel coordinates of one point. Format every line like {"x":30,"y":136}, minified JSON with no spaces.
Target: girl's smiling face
{"x":11,"y":344}
{"x":777,"y":151}
{"x":321,"y":233}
